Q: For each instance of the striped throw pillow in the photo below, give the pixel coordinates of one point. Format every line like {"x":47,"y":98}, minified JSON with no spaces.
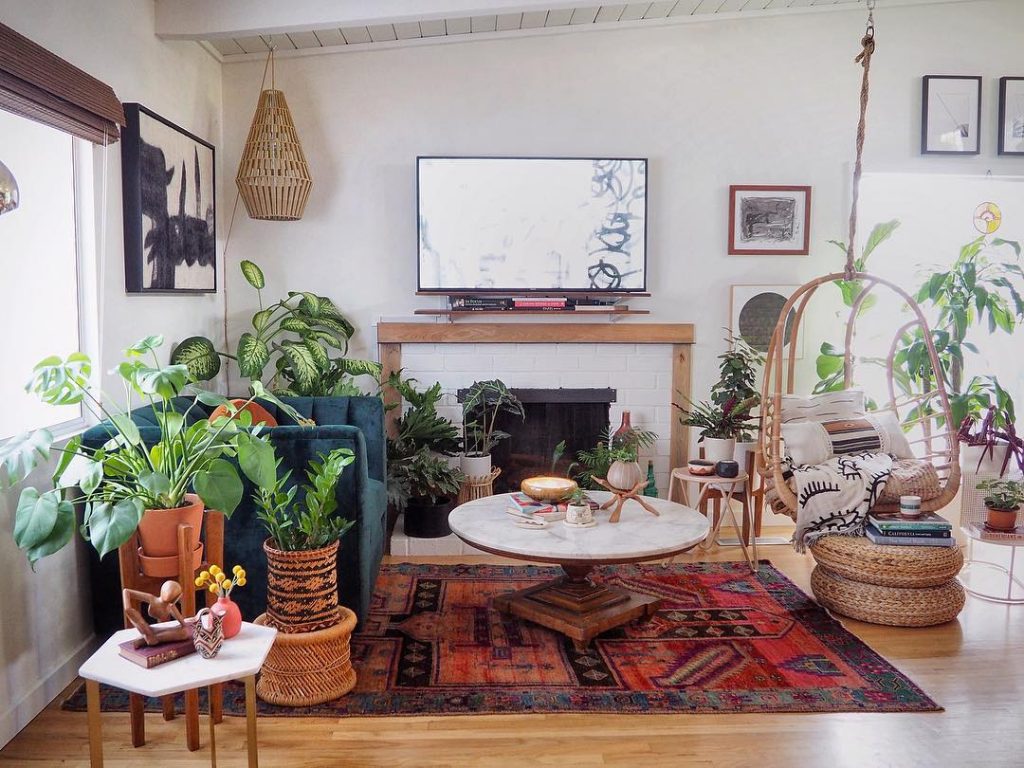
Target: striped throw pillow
{"x":813,"y":443}
{"x":823,"y":407}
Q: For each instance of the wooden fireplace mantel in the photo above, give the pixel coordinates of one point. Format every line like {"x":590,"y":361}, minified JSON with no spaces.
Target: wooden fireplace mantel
{"x":391,"y":337}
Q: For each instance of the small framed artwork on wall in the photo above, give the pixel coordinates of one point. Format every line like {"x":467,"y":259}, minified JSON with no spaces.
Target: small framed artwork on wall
{"x":170,"y":233}
{"x":1011,"y":116}
{"x":950,"y":115}
{"x":769,"y":220}
{"x":754,"y":312}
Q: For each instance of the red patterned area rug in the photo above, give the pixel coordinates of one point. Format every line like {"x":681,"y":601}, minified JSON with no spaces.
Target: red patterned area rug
{"x":723,"y":641}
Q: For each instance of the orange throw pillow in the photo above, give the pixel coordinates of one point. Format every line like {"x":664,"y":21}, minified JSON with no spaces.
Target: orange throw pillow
{"x":260,"y":415}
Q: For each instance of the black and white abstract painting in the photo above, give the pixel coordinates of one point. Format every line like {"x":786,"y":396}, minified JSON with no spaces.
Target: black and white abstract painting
{"x":772,"y":220}
{"x":519,"y":224}
{"x":951,"y":115}
{"x":169,"y":209}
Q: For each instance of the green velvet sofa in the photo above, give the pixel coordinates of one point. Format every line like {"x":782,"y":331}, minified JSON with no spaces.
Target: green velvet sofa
{"x":356,"y":423}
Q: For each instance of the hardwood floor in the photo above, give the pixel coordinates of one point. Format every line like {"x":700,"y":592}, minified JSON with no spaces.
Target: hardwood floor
{"x":972,"y":667}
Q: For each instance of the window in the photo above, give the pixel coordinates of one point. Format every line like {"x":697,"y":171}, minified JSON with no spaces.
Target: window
{"x":39,"y":269}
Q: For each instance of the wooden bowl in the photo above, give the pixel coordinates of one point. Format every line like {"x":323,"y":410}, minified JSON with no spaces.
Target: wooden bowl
{"x":548,"y":488}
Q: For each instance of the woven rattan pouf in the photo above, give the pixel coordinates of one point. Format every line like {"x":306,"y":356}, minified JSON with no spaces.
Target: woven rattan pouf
{"x":307,"y":668}
{"x":896,"y":586}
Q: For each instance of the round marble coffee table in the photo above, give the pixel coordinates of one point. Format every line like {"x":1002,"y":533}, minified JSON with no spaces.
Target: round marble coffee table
{"x":572,"y":604}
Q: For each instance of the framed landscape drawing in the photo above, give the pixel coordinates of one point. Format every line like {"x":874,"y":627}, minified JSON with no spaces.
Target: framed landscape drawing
{"x":170,"y":232}
{"x":1011,"y":116}
{"x":754,"y":312}
{"x":950,"y":115}
{"x":769,"y":220}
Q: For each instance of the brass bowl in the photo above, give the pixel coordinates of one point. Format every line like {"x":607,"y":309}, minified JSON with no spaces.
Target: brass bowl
{"x":548,"y":488}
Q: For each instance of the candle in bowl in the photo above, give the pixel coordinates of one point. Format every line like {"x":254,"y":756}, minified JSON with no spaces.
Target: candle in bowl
{"x":548,"y":488}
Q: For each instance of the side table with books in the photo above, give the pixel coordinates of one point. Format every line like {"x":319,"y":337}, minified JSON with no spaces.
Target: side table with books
{"x":986,"y":578}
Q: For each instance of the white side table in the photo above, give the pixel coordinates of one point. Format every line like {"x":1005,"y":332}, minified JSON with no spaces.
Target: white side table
{"x":240,"y":658}
{"x":728,"y":487}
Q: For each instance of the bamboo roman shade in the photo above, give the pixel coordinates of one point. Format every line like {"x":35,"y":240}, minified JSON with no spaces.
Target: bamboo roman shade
{"x":41,"y":86}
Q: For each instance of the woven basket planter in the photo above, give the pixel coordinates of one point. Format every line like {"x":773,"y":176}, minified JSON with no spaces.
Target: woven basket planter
{"x":856,"y":558}
{"x":892,"y":606}
{"x":302,"y":588}
{"x":308,"y":668}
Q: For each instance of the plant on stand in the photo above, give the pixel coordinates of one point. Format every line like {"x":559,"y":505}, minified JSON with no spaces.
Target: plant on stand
{"x":1002,"y":499}
{"x":424,"y":487}
{"x":737,"y":380}
{"x":304,"y":530}
{"x":127,"y":484}
{"x":597,"y":461}
{"x":484,"y":401}
{"x":303,"y":337}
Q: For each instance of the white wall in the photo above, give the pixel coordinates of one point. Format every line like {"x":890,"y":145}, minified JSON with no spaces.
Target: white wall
{"x":46,"y":625}
{"x":768,"y":100}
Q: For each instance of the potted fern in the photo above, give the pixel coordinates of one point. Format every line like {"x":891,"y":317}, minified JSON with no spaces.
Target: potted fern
{"x":304,"y":530}
{"x":424,"y":487}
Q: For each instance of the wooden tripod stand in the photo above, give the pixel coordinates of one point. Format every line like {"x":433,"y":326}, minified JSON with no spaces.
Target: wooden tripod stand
{"x":619,"y":497}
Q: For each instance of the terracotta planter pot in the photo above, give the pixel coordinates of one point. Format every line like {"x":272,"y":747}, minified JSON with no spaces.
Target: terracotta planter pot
{"x":1002,"y":519}
{"x":158,"y":529}
{"x":624,"y":475}
{"x":302,"y":588}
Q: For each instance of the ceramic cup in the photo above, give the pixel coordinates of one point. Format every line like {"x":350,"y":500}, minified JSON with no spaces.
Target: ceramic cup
{"x":910,"y":506}
{"x":579,"y":514}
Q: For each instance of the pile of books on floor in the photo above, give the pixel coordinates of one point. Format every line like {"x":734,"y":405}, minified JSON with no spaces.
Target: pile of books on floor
{"x":893,"y":529}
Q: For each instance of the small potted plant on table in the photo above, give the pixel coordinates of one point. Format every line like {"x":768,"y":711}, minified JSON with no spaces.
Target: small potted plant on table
{"x":1002,"y":499}
{"x":483,"y":402}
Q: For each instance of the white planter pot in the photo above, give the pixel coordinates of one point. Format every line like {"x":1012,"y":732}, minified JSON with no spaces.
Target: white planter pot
{"x":475,"y":466}
{"x":454,"y":461}
{"x":743,"y":451}
{"x":624,"y":475}
{"x":991,"y":463}
{"x":578,"y":514}
{"x":720,"y":449}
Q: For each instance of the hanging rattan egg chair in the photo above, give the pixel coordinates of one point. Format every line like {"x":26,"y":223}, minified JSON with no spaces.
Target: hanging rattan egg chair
{"x":932,"y":433}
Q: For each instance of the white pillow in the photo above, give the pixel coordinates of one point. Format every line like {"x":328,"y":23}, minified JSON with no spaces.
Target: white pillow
{"x":828,"y":406}
{"x":810,"y":442}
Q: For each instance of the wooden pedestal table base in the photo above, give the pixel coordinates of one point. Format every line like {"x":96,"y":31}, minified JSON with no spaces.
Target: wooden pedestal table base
{"x":576,"y":607}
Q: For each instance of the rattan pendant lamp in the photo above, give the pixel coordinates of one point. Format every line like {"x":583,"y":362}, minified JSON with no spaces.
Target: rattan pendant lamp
{"x":934,"y":439}
{"x":273,"y":176}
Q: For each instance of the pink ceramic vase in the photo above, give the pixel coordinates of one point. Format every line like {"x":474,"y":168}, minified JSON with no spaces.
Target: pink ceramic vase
{"x":231,"y":616}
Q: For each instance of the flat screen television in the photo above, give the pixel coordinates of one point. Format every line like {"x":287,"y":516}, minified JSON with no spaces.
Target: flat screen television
{"x":519,"y":224}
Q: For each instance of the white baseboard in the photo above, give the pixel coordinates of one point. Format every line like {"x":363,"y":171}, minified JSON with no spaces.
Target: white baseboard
{"x":34,"y":701}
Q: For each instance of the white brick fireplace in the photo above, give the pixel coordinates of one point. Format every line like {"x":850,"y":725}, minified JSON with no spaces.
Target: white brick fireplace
{"x":646,"y":364}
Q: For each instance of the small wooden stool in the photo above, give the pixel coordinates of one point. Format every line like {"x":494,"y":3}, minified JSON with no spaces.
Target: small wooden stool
{"x":726,"y":489}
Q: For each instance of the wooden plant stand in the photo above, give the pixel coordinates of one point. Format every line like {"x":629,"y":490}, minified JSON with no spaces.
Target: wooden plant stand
{"x":132,"y":577}
{"x":620,"y":497}
{"x":478,"y":487}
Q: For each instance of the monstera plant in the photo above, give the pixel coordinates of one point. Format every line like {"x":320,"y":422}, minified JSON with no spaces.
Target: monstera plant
{"x":126,"y":479}
{"x":303,"y":338}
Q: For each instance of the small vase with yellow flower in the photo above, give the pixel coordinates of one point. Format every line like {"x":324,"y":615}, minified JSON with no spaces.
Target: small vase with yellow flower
{"x":220,"y":584}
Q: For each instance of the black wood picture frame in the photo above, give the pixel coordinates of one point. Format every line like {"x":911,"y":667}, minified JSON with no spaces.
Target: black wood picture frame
{"x":1004,"y":83}
{"x":925,"y":86}
{"x":133,"y":166}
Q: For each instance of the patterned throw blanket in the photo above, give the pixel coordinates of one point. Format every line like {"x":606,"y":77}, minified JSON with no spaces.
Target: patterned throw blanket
{"x":834,"y":497}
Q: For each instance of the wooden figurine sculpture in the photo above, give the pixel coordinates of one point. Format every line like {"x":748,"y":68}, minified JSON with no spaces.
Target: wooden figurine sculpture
{"x":161,"y":608}
{"x":619,"y":498}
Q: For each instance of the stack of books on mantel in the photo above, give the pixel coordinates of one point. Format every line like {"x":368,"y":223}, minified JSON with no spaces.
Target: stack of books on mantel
{"x":533,"y":303}
{"x":893,"y":529}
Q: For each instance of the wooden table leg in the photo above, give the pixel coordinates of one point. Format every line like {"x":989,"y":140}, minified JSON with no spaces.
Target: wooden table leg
{"x":192,"y":719}
{"x":217,"y":703}
{"x":213,"y":734}
{"x":92,"y":699}
{"x":167,"y":707}
{"x":250,"y":721}
{"x":137,"y":717}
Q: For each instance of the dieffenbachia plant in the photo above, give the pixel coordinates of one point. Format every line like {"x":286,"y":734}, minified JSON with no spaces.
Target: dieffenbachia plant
{"x":304,"y":337}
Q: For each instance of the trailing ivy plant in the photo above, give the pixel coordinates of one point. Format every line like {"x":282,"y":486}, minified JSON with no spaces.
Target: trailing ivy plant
{"x":302,"y":338}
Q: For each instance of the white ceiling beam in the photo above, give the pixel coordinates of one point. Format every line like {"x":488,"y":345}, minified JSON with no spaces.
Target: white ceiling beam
{"x":205,"y":20}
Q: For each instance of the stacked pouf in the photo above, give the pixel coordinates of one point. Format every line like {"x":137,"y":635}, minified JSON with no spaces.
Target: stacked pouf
{"x":896,"y":586}
{"x":310,"y":662}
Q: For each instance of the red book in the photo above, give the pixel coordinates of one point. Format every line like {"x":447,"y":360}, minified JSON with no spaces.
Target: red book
{"x":149,"y":656}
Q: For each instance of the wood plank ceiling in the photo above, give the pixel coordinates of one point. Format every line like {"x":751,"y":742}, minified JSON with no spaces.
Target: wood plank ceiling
{"x":613,"y":13}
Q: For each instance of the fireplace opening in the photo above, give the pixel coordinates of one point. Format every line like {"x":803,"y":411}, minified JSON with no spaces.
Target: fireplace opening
{"x":577,"y":416}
